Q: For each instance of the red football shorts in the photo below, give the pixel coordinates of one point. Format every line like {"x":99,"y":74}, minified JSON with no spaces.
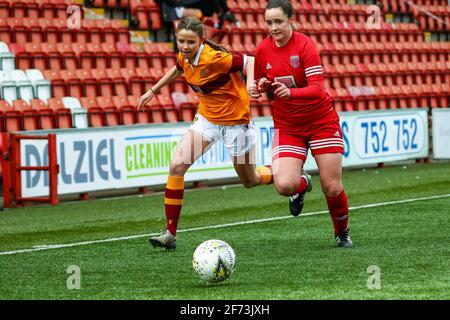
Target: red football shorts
{"x":322,"y":138}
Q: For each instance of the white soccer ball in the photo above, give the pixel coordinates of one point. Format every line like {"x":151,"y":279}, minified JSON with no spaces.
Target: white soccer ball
{"x":214,"y":261}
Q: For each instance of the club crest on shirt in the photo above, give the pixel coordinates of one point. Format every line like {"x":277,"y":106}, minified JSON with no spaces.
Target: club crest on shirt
{"x":203,"y":73}
{"x":295,"y":61}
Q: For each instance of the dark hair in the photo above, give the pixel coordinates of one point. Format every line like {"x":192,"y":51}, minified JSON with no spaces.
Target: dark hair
{"x":285,"y":5}
{"x":193,"y":24}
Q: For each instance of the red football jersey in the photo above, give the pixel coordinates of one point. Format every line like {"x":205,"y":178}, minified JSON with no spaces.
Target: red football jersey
{"x":297,"y":64}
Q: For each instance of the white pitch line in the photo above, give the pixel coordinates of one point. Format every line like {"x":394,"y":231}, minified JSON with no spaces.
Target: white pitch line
{"x":68,"y":245}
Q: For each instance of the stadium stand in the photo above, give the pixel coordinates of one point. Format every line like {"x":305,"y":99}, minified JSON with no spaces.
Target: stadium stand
{"x":52,"y":76}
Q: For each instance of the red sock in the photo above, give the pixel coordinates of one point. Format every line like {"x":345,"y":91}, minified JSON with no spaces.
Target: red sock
{"x":173,"y":201}
{"x":302,"y":186}
{"x":338,"y":207}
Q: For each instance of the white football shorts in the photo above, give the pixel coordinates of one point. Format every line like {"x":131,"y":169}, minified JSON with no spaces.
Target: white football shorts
{"x":238,"y":139}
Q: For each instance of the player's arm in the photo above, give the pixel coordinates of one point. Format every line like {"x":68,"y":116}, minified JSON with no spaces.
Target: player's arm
{"x":249,"y":70}
{"x":174,"y":73}
{"x":313,"y":73}
{"x":260,"y":83}
{"x":251,"y":84}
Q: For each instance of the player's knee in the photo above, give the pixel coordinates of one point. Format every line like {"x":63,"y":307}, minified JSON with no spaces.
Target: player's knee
{"x":248,"y":183}
{"x":285,"y":188}
{"x":177,"y":169}
{"x":332,"y":189}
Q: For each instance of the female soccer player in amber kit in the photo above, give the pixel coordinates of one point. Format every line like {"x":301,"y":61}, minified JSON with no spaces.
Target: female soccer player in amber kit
{"x":287,"y":63}
{"x":223,"y":113}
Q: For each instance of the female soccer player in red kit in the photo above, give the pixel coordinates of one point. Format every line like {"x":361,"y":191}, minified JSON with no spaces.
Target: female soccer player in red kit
{"x":287,"y":63}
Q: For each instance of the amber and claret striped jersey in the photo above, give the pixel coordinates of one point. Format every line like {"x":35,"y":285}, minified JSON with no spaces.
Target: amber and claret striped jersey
{"x":297,"y":64}
{"x":214,"y":77}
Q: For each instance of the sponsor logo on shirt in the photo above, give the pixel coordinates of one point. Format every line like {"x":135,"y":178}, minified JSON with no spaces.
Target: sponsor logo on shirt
{"x":197,"y":89}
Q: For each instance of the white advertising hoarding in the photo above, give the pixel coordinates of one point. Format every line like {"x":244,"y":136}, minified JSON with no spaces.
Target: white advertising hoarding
{"x":133,"y":156}
{"x":369,"y":137}
{"x":114,"y":158}
{"x":441,"y":133}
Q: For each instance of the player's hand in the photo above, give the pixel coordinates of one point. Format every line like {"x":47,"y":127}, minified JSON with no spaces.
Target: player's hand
{"x":253,"y":91}
{"x":280,"y":90}
{"x":263,"y":85}
{"x":144,"y":99}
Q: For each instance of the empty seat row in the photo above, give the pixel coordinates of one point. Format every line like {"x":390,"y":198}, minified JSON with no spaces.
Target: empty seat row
{"x":391,"y":97}
{"x":147,"y":14}
{"x":381,"y":74}
{"x":70,"y":112}
{"x":109,"y":3}
{"x":22,"y":30}
{"x":18,"y":84}
{"x":109,"y":82}
{"x":380,"y":52}
{"x":404,"y":6}
{"x":306,"y":12}
{"x":48,"y":9}
{"x":433,"y":23}
{"x":90,"y":56}
{"x":337,"y":32}
{"x":7,"y":61}
{"x":20,"y":116}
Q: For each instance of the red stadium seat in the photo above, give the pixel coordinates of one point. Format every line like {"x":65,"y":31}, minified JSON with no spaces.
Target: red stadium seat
{"x":55,"y":60}
{"x":144,"y":116}
{"x":73,"y":83}
{"x":118,"y":81}
{"x":170,"y":112}
{"x":105,"y":84}
{"x":22,"y":56}
{"x":38,"y":104}
{"x":95,"y":113}
{"x":4,"y":105}
{"x":126,"y":53}
{"x":133,"y":81}
{"x":127,"y":111}
{"x":68,"y":56}
{"x":63,"y":118}
{"x":55,"y":104}
{"x":13,"y":120}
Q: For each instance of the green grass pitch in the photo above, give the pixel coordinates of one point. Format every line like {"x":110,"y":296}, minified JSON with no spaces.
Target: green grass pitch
{"x":284,"y":258}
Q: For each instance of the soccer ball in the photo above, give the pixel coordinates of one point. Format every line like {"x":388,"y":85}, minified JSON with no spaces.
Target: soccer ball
{"x":214,"y":261}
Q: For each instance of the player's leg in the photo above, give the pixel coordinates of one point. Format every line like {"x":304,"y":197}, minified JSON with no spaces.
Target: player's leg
{"x":330,"y":170}
{"x":246,"y":169}
{"x":240,"y":140}
{"x":248,"y":173}
{"x":327,"y":148}
{"x":290,"y":181}
{"x":288,"y":156}
{"x":190,"y":148}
